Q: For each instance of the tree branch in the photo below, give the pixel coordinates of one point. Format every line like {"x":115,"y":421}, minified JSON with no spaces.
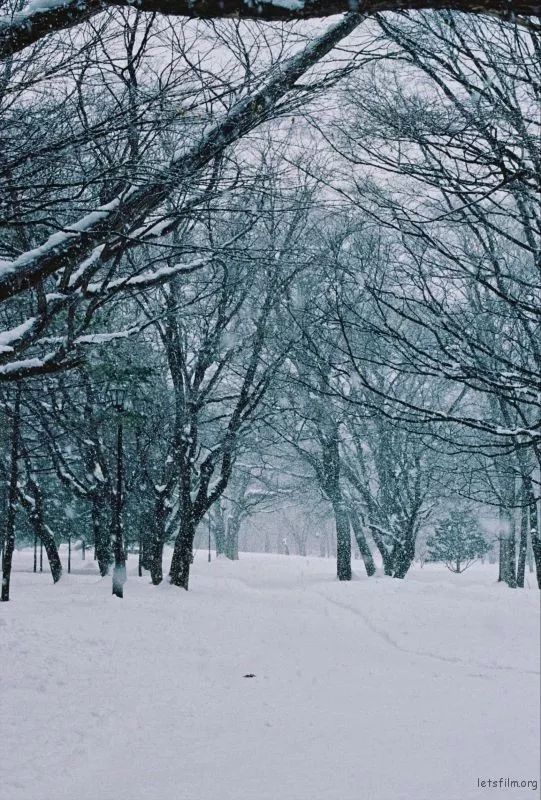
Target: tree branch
{"x":38,"y":19}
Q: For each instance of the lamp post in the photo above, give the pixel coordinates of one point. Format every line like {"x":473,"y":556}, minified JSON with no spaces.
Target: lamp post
{"x":118,"y":395}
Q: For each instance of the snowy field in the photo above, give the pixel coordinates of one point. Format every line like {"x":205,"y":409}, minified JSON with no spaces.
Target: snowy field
{"x":373,"y":690}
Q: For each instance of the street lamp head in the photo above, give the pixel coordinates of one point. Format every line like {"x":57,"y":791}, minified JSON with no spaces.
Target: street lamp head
{"x":118,"y":396}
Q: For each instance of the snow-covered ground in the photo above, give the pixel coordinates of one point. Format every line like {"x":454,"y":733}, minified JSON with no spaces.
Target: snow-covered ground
{"x":374,"y":690}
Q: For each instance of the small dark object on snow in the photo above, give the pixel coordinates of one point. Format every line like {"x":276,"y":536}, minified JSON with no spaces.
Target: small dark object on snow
{"x":249,"y":675}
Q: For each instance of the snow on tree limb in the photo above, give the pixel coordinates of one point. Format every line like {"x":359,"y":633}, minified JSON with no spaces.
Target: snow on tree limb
{"x":41,"y":17}
{"x":31,"y":367}
{"x":77,"y":240}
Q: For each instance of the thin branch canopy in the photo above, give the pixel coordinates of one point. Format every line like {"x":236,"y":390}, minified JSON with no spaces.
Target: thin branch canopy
{"x":82,"y":246}
{"x":77,"y":240}
{"x":36,"y":20}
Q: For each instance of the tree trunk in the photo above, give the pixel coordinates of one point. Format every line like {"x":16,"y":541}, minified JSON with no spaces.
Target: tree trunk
{"x":34,"y":507}
{"x":119,"y":570}
{"x":523,"y":546}
{"x":183,"y":553}
{"x":403,"y":556}
{"x":146,"y":539}
{"x":343,"y":541}
{"x":536,"y":547}
{"x":232,"y":538}
{"x":361,"y":542}
{"x":529,"y":557}
{"x":535,"y":536}
{"x":502,"y":563}
{"x":333,"y":490}
{"x":219,"y":529}
{"x":155,"y":560}
{"x":386,"y":555}
{"x":9,"y":531}
{"x":301,"y":546}
{"x":535,"y":533}
{"x":102,"y":533}
{"x":511,"y":552}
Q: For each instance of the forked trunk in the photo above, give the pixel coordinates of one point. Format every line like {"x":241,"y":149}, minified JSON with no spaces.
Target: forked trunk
{"x":34,"y":508}
{"x":51,"y":549}
{"x":403,"y":559}
{"x":385,"y":553}
{"x":361,"y":542}
{"x":403,"y":553}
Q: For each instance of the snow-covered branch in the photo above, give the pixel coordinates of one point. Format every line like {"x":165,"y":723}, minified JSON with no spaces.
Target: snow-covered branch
{"x":42,"y":17}
{"x":78,"y":239}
